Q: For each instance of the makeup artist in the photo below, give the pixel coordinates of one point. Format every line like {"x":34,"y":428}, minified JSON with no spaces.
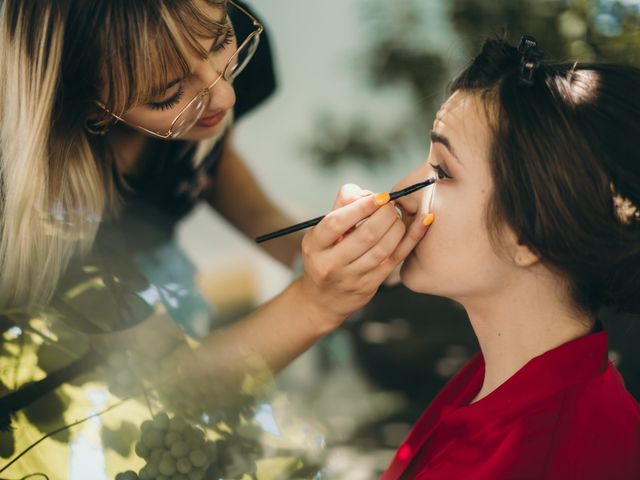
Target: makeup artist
{"x":117,"y":118}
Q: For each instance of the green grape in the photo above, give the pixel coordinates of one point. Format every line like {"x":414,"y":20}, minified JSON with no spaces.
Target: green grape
{"x":179,"y":476}
{"x":128,"y":475}
{"x":146,"y":425}
{"x":144,"y":473}
{"x":156,"y":455}
{"x":197,"y":474}
{"x":162,"y":477}
{"x":179,"y":450}
{"x":198,"y":458}
{"x":183,"y":465}
{"x":167,"y":466}
{"x":161,"y":421}
{"x":152,"y":469}
{"x":171,"y":438}
{"x":142,"y":450}
{"x":152,"y":438}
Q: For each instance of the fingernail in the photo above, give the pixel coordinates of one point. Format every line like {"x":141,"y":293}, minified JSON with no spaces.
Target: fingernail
{"x":365,"y":193}
{"x":428,"y":220}
{"x":382,"y":198}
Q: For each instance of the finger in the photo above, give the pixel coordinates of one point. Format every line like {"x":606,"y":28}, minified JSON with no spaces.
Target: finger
{"x":381,"y":251}
{"x":413,"y":235}
{"x":338,"y":222}
{"x":365,"y":236}
{"x":349,"y":193}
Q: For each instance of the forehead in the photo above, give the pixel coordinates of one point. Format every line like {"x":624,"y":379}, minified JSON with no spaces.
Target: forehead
{"x":462,"y":118}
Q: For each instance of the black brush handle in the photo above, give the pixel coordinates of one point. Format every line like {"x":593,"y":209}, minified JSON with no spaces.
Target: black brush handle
{"x":314,"y":221}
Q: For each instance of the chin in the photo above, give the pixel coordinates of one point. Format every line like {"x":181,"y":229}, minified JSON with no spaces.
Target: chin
{"x":410,"y":274}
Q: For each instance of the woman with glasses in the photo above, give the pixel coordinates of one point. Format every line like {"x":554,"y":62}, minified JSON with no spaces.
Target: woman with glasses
{"x":116,"y":118}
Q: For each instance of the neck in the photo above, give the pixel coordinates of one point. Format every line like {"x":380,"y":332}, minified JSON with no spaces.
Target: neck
{"x":131,"y":149}
{"x":516,"y":326}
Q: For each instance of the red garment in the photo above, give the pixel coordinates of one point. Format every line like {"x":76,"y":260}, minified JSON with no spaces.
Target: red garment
{"x":564,"y":415}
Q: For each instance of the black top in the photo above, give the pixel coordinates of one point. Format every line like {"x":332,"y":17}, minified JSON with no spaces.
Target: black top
{"x":138,"y":245}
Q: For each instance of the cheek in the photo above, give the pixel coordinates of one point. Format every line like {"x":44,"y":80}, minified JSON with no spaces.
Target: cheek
{"x":455,"y":256}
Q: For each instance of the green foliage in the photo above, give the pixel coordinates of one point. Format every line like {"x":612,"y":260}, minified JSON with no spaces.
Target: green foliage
{"x":399,"y":56}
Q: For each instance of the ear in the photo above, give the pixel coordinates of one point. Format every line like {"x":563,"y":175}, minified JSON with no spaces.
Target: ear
{"x":523,"y":256}
{"x":518,"y":251}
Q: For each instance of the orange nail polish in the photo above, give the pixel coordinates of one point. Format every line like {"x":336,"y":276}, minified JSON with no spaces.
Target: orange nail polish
{"x":382,"y":198}
{"x":428,"y":220}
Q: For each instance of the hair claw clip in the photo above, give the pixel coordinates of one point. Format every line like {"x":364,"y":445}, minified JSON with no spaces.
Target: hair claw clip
{"x":530,"y":59}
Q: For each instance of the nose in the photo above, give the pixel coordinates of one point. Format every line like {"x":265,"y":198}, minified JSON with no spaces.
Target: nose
{"x":221,"y":93}
{"x":410,"y":204}
{"x":222,"y":96}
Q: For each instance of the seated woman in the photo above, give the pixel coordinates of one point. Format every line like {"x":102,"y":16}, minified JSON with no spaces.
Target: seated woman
{"x":537,"y":227}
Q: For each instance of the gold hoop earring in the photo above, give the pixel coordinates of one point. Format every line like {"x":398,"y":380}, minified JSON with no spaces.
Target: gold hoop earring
{"x":96,"y":129}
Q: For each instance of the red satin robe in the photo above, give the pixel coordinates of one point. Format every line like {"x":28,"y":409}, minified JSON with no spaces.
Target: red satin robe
{"x":564,"y":415}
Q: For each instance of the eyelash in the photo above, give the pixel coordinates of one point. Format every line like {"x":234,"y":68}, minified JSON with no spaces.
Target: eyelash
{"x":441,"y":172}
{"x":228,"y":38}
{"x":168,"y":103}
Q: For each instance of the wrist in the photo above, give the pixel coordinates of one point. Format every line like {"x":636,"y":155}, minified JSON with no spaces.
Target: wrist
{"x":318,"y":315}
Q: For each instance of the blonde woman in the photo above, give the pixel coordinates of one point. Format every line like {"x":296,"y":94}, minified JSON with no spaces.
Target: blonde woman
{"x":116,"y":118}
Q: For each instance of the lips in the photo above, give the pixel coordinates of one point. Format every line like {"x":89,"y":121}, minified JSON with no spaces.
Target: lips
{"x":211,"y":120}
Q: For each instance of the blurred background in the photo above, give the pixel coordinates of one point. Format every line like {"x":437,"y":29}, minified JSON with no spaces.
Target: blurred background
{"x":358,"y":84}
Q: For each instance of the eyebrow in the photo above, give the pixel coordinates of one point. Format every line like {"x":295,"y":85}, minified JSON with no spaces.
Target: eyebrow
{"x":228,"y":27}
{"x":437,"y":138}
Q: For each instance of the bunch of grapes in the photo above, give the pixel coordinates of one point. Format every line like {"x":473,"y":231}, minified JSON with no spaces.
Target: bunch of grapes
{"x":173,"y":450}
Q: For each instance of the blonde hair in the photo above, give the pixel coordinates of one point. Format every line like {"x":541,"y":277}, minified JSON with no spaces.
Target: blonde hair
{"x":56,"y":180}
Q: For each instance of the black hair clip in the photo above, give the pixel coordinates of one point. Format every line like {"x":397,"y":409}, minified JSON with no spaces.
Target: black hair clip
{"x":530,"y":59}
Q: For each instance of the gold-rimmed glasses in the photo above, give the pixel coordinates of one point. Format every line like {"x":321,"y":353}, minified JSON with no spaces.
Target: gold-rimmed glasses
{"x":191,"y":112}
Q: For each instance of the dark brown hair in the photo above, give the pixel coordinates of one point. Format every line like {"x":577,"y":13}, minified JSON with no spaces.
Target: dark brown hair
{"x":564,"y":150}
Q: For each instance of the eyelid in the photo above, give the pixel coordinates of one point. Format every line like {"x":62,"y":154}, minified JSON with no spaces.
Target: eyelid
{"x":169,"y":102}
{"x":228,"y":36}
{"x":441,"y":172}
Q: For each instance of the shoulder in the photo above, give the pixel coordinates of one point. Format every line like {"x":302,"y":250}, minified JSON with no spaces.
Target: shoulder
{"x":597,"y":432}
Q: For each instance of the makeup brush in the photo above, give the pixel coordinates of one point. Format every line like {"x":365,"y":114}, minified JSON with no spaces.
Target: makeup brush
{"x":314,"y":221}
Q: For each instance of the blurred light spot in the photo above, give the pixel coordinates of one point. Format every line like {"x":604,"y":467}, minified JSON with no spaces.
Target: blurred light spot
{"x":378,"y":332}
{"x":264,"y":417}
{"x":455,"y":357}
{"x":374,"y":332}
{"x":571,"y":25}
{"x":607,"y":25}
{"x":398,"y":329}
{"x":404,"y":452}
{"x":13,"y":333}
{"x":615,"y":357}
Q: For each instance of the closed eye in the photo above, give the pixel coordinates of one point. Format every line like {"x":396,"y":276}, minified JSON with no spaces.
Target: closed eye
{"x":228,"y":39}
{"x":440,"y":172}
